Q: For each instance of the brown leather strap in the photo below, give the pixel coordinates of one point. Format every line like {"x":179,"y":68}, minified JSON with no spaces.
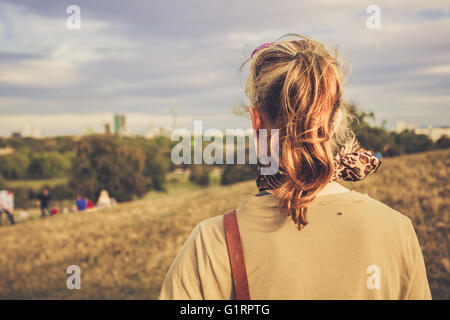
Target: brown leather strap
{"x":237,"y":260}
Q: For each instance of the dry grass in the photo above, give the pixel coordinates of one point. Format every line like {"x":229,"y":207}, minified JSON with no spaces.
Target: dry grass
{"x":125,"y":252}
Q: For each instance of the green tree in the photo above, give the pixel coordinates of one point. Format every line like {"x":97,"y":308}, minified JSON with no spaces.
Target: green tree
{"x":102,"y":162}
{"x":239,"y":172}
{"x":409,"y":142}
{"x":370,"y":135}
{"x":2,"y":182}
{"x":443,"y":142}
{"x":200,"y":174}
{"x":14,"y":166}
{"x":45,"y":165}
{"x":156,"y":167}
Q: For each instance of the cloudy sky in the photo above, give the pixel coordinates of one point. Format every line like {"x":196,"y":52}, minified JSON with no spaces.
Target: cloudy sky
{"x":142,"y":58}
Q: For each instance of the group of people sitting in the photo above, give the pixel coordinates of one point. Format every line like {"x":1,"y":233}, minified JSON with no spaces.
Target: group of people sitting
{"x":81,"y":204}
{"x":104,"y":201}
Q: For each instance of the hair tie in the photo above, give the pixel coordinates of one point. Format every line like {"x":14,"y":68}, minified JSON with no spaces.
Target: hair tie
{"x":352,"y":163}
{"x":264,"y":45}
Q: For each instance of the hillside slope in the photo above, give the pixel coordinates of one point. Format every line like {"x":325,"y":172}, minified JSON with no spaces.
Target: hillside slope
{"x":124,"y":252}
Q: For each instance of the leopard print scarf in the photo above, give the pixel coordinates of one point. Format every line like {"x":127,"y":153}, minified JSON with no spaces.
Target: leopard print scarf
{"x":352,"y":163}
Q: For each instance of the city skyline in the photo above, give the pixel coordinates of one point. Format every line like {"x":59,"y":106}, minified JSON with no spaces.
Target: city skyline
{"x":118,"y":124}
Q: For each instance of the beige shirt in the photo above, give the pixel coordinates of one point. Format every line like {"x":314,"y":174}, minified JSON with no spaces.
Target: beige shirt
{"x":369,"y":251}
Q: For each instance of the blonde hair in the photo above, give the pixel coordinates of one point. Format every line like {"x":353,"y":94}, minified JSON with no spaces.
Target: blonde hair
{"x":297,"y":87}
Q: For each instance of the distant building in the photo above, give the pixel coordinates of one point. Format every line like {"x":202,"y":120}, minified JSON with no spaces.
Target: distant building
{"x":119,"y":124}
{"x":433,"y":133}
{"x":402,"y":125}
{"x":36,"y":133}
{"x":27,"y":130}
{"x":152,"y":132}
{"x":158,"y":132}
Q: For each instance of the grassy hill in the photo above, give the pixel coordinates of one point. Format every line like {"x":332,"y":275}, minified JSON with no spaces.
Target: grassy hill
{"x":125,"y":252}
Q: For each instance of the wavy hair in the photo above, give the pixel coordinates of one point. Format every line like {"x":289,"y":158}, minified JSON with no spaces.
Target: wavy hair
{"x":297,"y":87}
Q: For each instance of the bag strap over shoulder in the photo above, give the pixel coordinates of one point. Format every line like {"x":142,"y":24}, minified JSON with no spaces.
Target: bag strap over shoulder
{"x":236,"y":255}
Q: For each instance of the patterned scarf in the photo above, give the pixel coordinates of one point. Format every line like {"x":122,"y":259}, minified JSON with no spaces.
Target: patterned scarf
{"x":352,"y":163}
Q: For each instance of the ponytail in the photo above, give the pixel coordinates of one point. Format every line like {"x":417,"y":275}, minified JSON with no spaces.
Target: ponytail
{"x":297,"y":86}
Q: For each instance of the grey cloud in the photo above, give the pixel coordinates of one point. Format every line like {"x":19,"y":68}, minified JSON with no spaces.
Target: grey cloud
{"x":188,"y":53}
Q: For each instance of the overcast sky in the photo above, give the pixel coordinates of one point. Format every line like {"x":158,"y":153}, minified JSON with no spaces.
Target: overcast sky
{"x":142,"y":58}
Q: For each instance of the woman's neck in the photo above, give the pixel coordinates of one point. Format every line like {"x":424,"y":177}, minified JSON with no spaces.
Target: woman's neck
{"x":332,"y":188}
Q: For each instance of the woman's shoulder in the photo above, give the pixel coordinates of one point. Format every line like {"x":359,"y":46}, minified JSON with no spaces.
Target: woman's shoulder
{"x":378,"y":215}
{"x":207,"y":234}
{"x":384,"y":210}
{"x":211,"y":227}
